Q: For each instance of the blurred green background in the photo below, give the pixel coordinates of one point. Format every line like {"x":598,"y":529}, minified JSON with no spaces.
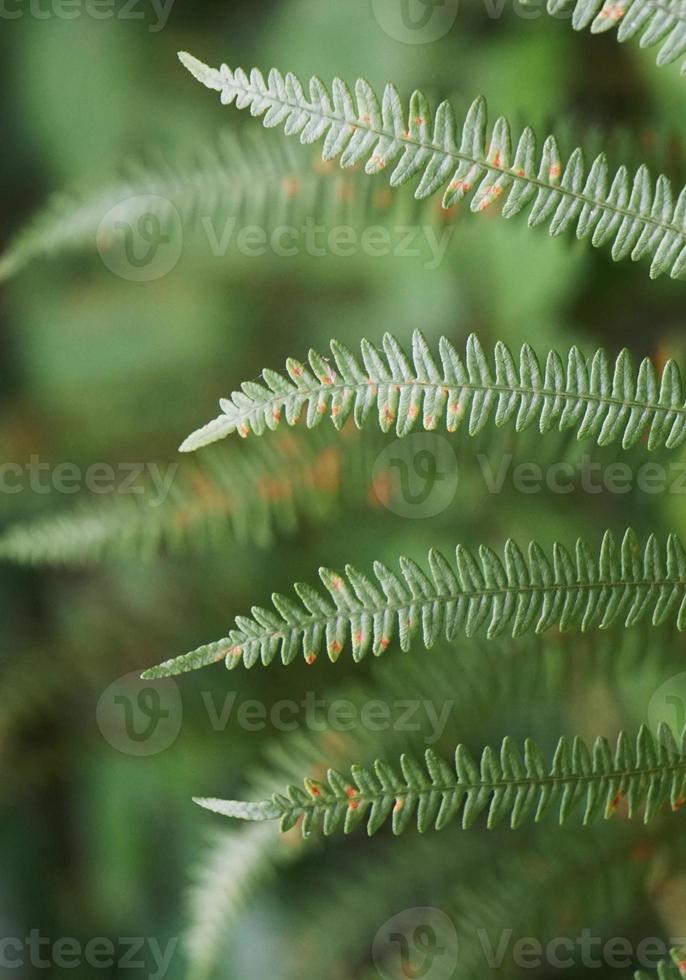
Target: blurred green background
{"x":97,"y":842}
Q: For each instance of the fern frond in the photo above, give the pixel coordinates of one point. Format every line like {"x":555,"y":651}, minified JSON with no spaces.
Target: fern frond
{"x":517,"y":594}
{"x":509,"y":784}
{"x":594,"y":397}
{"x":638,"y":217}
{"x":249,"y":497}
{"x":243,"y":179}
{"x":653,"y":22}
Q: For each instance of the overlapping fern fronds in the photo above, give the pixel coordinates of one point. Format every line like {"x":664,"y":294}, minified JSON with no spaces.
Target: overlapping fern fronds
{"x":653,"y":22}
{"x":517,"y":594}
{"x":595,"y":397}
{"x":510,"y":784}
{"x":637,"y":216}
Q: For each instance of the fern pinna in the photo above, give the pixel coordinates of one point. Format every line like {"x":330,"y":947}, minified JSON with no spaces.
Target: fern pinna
{"x":637,"y":216}
{"x":593,"y":396}
{"x":518,"y":593}
{"x":648,"y":773}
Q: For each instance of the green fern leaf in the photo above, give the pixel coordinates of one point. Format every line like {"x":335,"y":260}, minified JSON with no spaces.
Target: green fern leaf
{"x":517,"y":594}
{"x":509,"y":784}
{"x":654,"y":22}
{"x":638,"y":217}
{"x":596,"y":398}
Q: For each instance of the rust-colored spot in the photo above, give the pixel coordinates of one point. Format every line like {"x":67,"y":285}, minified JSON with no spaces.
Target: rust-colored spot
{"x":399,"y":804}
{"x":677,"y":805}
{"x":291,"y":186}
{"x":555,"y":171}
{"x":351,"y":792}
{"x":310,"y":658}
{"x":335,"y":647}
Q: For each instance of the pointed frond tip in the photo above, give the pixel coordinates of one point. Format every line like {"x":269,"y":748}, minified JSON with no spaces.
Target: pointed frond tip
{"x":653,"y":22}
{"x":646,"y":773}
{"x":516,"y":594}
{"x":599,"y":399}
{"x":636,"y":216}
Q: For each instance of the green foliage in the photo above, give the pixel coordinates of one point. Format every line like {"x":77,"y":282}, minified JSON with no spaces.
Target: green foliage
{"x":241,"y":178}
{"x":509,"y":784}
{"x":592,"y":396}
{"x":517,"y":593}
{"x":244,"y":497}
{"x":653,"y":22}
{"x":638,"y":217}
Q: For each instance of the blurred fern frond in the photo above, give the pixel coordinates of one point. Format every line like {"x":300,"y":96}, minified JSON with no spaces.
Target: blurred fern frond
{"x":249,"y":497}
{"x":596,"y":398}
{"x":623,"y":583}
{"x":652,"y":22}
{"x":638,"y":217}
{"x":244,"y":179}
{"x":509,"y":784}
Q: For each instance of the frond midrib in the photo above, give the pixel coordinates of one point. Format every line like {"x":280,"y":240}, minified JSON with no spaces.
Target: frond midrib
{"x":462,"y":157}
{"x":319,"y":804}
{"x":421,"y":601}
{"x":281,"y":398}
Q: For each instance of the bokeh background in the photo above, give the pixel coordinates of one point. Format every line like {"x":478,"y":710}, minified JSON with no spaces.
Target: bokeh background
{"x":97,"y":368}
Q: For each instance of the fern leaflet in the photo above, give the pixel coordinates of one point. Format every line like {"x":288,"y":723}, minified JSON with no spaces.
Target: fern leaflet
{"x":516,"y":594}
{"x":595,"y":397}
{"x":507,"y":784}
{"x":639,"y":218}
